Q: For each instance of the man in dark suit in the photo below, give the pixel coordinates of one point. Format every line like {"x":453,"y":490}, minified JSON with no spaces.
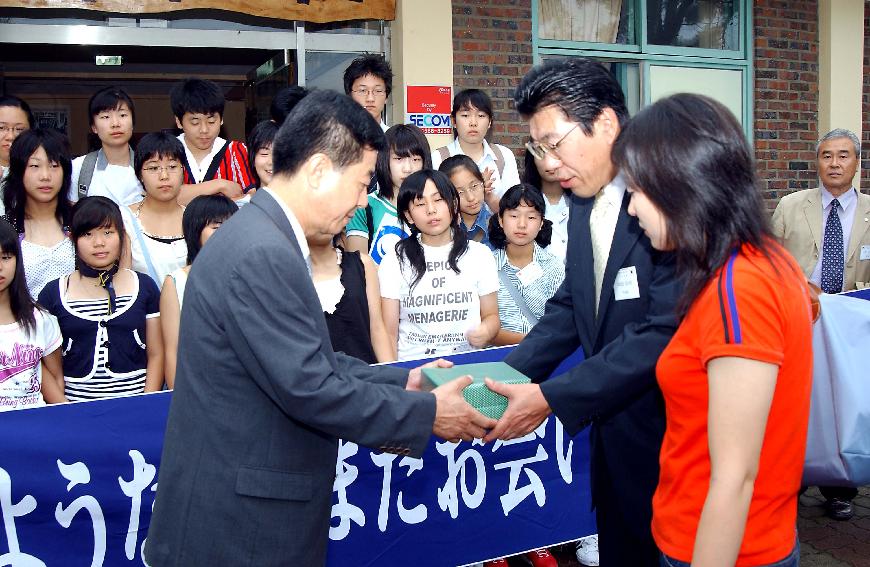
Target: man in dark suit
{"x":617,"y":303}
{"x":260,"y":400}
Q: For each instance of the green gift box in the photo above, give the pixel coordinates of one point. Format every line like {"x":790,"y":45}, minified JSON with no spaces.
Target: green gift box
{"x":477,"y":394}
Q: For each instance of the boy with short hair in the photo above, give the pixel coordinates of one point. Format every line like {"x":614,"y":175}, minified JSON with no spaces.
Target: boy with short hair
{"x":212,"y":165}
{"x":369,"y":80}
{"x":108,"y":172}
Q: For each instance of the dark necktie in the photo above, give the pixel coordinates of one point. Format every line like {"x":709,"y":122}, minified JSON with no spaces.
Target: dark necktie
{"x":832,"y":252}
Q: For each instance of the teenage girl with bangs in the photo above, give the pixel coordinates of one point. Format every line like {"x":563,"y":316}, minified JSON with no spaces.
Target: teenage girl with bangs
{"x":109,"y":316}
{"x":469,"y":182}
{"x":259,"y":145}
{"x":29,"y":336}
{"x":438,"y":289}
{"x":377,"y":228}
{"x":35,"y":193}
{"x":528,"y":274}
{"x":154,"y":227}
{"x":472,"y":123}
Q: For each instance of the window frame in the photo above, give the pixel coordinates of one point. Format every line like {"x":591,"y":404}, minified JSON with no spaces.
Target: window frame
{"x":646,"y":55}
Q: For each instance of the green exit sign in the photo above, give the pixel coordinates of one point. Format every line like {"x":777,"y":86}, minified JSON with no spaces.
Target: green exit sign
{"x":109,"y":60}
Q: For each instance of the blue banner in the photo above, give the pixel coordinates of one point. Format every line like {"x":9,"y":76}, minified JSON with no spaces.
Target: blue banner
{"x":77,"y":483}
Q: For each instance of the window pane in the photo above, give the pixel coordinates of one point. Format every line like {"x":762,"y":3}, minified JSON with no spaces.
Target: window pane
{"x":710,"y":24}
{"x":724,"y":85}
{"x":600,"y":21}
{"x":325,"y":70}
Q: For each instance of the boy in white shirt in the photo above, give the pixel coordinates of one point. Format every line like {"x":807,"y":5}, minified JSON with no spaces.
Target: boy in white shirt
{"x":213,"y":165}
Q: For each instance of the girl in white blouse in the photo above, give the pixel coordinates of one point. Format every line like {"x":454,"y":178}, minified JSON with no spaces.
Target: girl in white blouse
{"x":34,"y":193}
{"x":153,"y":225}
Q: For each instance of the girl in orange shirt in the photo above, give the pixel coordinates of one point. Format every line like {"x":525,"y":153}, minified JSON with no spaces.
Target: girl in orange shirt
{"x":736,"y":375}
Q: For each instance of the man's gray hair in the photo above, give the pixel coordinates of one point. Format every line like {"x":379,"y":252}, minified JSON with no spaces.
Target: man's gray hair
{"x":841,"y":133}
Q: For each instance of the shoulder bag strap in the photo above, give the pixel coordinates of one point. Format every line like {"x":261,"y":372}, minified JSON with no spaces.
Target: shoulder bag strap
{"x":144,"y":245}
{"x":499,"y":159}
{"x":87,"y":173}
{"x":518,"y":298}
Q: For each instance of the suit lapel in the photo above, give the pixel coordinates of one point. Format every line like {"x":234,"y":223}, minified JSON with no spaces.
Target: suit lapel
{"x":860,"y":224}
{"x":625,"y":236}
{"x":813,"y":217}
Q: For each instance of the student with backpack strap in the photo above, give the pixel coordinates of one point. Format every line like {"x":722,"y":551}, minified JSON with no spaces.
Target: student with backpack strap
{"x":472,"y":122}
{"x":108,"y":171}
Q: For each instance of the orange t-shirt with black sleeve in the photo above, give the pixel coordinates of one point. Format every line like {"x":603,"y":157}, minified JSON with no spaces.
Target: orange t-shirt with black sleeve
{"x":753,"y":309}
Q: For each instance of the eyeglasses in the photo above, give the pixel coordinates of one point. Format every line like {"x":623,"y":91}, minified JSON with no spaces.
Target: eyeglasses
{"x":4,"y":129}
{"x":377,"y":92}
{"x":540,"y":150}
{"x":155,"y":169}
{"x":471,"y":188}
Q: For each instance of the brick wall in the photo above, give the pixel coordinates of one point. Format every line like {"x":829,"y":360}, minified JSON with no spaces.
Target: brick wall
{"x":786,"y":95}
{"x":492,"y":50}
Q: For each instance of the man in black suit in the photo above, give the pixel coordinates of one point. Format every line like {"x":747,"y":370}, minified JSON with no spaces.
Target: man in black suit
{"x":617,"y":303}
{"x":261,"y":399}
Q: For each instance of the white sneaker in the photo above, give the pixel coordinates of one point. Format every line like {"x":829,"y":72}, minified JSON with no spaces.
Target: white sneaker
{"x":587,"y":551}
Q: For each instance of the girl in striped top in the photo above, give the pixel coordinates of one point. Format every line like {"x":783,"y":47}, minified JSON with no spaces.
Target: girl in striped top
{"x":528,"y":274}
{"x":109,"y":317}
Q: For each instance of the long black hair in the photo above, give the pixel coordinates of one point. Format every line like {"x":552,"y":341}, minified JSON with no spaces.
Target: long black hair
{"x":404,"y":140}
{"x":14,"y":195}
{"x":520,"y":194}
{"x":410,"y":248}
{"x":20,"y":301}
{"x":201,"y":212}
{"x":92,"y":213}
{"x":689,"y":156}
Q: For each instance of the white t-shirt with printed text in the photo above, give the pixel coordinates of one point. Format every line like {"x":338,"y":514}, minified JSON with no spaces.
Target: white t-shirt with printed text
{"x":435,"y":316}
{"x":21,"y":361}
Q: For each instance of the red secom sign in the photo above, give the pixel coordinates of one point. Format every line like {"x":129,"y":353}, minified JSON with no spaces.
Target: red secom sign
{"x":428,"y":107}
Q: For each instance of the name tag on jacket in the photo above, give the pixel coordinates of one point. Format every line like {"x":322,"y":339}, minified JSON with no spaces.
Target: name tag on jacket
{"x":625,"y":286}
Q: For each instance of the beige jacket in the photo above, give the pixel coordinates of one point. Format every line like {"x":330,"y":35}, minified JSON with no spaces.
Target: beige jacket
{"x":797,"y":223}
